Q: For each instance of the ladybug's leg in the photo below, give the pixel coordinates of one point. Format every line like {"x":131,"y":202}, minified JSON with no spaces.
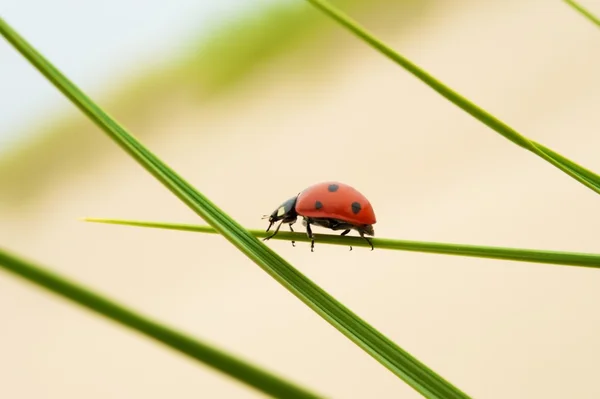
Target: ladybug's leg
{"x":369,"y":241}
{"x":275,"y":232}
{"x":269,"y":228}
{"x":344,"y":233}
{"x":310,"y":235}
{"x":292,"y":230}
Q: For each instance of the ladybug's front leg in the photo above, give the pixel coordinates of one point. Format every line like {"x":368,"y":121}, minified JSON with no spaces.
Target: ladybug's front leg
{"x":292,"y":230}
{"x":275,"y":232}
{"x":369,"y":241}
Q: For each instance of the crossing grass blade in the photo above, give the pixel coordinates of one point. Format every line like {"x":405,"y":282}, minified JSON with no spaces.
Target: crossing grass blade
{"x":247,"y":373}
{"x":397,"y":360}
{"x":478,"y":251}
{"x":587,"y":14}
{"x":579,"y":173}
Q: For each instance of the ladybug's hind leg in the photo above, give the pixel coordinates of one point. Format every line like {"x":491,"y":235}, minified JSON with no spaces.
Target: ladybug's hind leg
{"x":344,"y":233}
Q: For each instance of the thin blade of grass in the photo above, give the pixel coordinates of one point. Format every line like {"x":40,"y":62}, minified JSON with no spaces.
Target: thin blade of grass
{"x":241,"y":370}
{"x":589,"y":179}
{"x":587,"y":14}
{"x":400,"y":362}
{"x":582,"y":171}
{"x":478,"y":251}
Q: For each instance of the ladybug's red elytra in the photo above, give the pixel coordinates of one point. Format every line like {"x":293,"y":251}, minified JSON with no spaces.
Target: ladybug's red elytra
{"x":333,"y":205}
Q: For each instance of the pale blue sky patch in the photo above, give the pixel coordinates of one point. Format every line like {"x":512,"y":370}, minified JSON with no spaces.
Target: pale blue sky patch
{"x":94,"y":44}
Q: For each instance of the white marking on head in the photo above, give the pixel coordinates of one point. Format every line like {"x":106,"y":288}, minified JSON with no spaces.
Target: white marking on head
{"x":281,"y":211}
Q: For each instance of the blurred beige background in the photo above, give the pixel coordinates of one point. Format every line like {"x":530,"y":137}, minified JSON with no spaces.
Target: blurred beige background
{"x":332,"y":108}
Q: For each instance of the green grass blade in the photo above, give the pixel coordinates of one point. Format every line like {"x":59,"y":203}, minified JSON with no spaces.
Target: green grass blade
{"x":226,"y":363}
{"x":397,"y":360}
{"x":582,"y":171}
{"x":479,"y":251}
{"x":590,"y":179}
{"x":584,"y":12}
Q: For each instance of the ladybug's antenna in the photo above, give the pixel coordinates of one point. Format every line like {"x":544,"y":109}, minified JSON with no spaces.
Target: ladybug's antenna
{"x":265,"y":216}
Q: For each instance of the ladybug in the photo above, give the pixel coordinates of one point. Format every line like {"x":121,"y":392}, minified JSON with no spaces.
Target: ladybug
{"x":333,"y":205}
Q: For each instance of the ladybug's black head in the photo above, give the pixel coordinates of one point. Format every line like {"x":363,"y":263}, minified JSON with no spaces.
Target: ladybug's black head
{"x":368,"y":229}
{"x":285,"y":212}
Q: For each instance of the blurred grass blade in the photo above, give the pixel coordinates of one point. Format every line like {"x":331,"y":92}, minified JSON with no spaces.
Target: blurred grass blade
{"x":584,"y":176}
{"x":397,"y":360}
{"x":584,"y":12}
{"x":226,"y":363}
{"x":479,"y":251}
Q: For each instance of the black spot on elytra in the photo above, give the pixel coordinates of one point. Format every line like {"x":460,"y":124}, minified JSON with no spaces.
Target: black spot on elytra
{"x":333,"y":188}
{"x":356,"y":207}
{"x":318,"y":205}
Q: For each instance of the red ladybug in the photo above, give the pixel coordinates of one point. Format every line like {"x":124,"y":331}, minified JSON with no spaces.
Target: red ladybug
{"x":332,"y":205}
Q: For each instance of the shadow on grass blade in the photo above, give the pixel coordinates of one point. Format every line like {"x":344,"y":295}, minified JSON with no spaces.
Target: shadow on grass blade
{"x":381,"y":348}
{"x":226,"y":363}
